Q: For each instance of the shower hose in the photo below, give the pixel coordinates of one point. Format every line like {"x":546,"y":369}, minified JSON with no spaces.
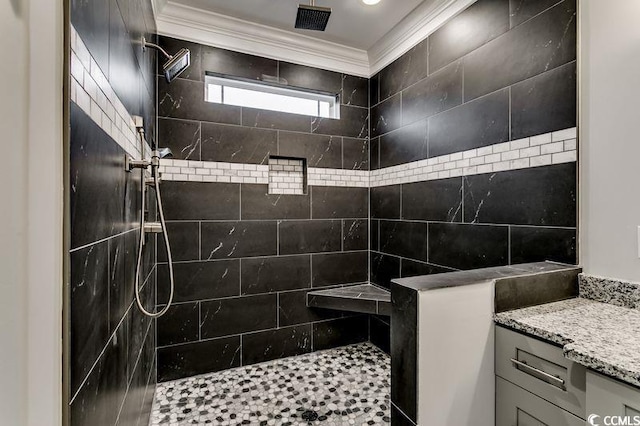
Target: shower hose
{"x":156,"y":182}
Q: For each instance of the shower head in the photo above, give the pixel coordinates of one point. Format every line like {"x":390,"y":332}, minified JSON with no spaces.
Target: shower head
{"x":176,"y":64}
{"x":312,"y":17}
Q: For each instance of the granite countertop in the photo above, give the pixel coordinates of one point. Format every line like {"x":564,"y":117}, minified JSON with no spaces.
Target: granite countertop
{"x":600,"y":336}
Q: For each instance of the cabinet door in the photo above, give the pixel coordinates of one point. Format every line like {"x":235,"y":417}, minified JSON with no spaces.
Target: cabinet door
{"x":609,"y":397}
{"x":517,"y":407}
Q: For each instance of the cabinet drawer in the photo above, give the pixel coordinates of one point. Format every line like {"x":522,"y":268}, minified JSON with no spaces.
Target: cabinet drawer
{"x":517,"y":407}
{"x":541,"y":369}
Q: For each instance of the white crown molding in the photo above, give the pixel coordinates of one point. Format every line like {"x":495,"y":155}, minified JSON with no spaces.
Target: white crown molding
{"x":415,"y":27}
{"x":213,"y":29}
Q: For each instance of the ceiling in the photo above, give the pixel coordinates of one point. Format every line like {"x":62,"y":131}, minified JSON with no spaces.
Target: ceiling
{"x":352,"y":23}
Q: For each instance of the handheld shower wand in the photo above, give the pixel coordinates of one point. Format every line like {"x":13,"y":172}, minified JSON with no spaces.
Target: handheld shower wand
{"x":151,"y":227}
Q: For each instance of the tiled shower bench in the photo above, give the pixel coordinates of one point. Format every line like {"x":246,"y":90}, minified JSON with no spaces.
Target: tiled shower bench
{"x":363,"y":298}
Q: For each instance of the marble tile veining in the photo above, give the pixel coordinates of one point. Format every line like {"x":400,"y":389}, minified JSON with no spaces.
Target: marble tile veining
{"x":343,"y":386}
{"x":600,"y":336}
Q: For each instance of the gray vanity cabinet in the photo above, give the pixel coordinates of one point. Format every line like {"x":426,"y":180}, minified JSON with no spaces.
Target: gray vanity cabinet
{"x":518,"y":407}
{"x":535,"y":384}
{"x":609,"y":397}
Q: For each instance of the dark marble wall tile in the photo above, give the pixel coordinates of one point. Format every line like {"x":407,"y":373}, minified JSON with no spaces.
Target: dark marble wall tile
{"x":339,"y":268}
{"x":436,"y":200}
{"x":398,"y":418}
{"x":386,"y":116}
{"x":480,"y":23}
{"x":236,"y":144}
{"x":221,"y":240}
{"x":380,"y":333}
{"x":337,"y":202}
{"x":482,"y":122}
{"x":275,"y":344}
{"x":236,"y":315}
{"x":252,"y":117}
{"x":385,"y":202}
{"x":311,"y":78}
{"x":89,"y":329}
{"x":122,"y":252}
{"x":404,"y":145}
{"x":543,"y":43}
{"x":374,"y":154}
{"x":384,"y":268}
{"x":374,"y":233}
{"x":355,"y":234}
{"x":200,"y":201}
{"x":180,"y":324}
{"x":544,"y":196}
{"x":183,"y":237}
{"x":195,"y":358}
{"x":181,"y":136}
{"x":544,"y":103}
{"x":404,"y":71}
{"x":412,"y":268}
{"x":271,"y":274}
{"x":404,"y":349}
{"x":292,"y":309}
{"x":185,"y":99}
{"x":310,"y":236}
{"x":523,"y":10}
{"x":537,"y":244}
{"x":355,"y":154}
{"x":438,"y":92}
{"x":355,"y":91}
{"x":105,"y":334}
{"x":98,"y":400}
{"x":172,"y":45}
{"x":124,"y":74}
{"x":319,"y":150}
{"x":258,"y":204}
{"x":468,"y":246}
{"x":405,"y":239}
{"x":227,"y":62}
{"x":92,"y":24}
{"x":96,"y":182}
{"x":340,"y":332}
{"x":353,"y":123}
{"x":374,"y":90}
{"x":200,"y":280}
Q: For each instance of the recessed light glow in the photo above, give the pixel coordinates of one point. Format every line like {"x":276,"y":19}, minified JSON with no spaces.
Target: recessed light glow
{"x":370,"y":2}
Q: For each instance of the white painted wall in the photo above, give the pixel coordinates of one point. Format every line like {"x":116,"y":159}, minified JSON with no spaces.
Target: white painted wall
{"x":31,"y":213}
{"x":456,"y":378}
{"x":610,"y":137}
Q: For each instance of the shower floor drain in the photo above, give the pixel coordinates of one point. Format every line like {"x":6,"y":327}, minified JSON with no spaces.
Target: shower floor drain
{"x":337,"y":387}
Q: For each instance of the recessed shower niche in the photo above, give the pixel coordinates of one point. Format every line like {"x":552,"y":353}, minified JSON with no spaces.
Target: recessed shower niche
{"x":287,"y":175}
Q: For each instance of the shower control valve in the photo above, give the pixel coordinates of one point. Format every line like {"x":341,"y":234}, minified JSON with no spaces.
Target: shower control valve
{"x":130,"y":164}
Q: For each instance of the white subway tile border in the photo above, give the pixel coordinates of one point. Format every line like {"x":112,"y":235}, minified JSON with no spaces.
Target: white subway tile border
{"x":91,"y":91}
{"x":540,"y":150}
{"x":525,"y":153}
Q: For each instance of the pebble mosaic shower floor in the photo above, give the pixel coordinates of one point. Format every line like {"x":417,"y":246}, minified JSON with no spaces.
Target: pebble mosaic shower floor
{"x":343,"y":386}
